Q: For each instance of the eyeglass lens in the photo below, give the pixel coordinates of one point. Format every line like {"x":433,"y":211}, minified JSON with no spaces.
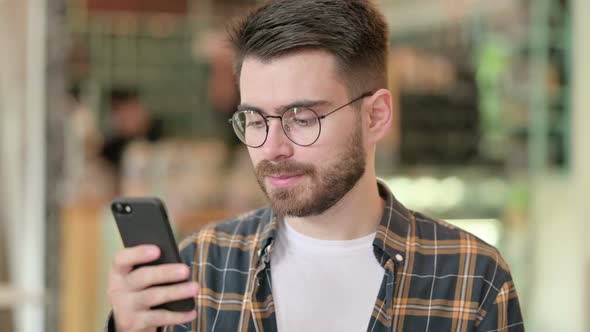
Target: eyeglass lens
{"x":301,"y":125}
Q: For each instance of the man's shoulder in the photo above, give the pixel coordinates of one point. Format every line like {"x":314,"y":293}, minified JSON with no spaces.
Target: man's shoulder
{"x":251,"y":223}
{"x":439,"y":237}
{"x":433,"y":229}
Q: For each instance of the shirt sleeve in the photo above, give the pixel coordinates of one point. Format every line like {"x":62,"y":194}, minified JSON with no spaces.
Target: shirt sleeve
{"x":503,"y":314}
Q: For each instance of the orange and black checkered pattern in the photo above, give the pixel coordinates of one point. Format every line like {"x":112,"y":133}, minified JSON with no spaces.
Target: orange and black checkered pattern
{"x":437,"y":277}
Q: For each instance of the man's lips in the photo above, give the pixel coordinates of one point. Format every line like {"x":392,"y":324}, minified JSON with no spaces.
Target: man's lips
{"x":284,"y":180}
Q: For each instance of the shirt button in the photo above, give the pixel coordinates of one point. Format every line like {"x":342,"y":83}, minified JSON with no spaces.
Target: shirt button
{"x":399,"y":258}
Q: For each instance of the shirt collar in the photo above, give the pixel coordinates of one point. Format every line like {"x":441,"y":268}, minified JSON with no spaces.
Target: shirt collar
{"x":393,"y":232}
{"x":268,"y":233}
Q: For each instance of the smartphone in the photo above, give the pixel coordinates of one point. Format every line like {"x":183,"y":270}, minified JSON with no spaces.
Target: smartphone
{"x":144,"y":221}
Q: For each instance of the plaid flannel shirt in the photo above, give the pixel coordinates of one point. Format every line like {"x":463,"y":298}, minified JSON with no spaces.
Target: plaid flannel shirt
{"x":437,"y":277}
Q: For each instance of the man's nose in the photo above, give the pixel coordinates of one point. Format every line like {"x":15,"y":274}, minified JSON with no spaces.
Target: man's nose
{"x":278,"y":145}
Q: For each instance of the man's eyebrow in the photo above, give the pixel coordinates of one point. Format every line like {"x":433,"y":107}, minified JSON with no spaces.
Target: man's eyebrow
{"x":308,"y":103}
{"x":247,"y":107}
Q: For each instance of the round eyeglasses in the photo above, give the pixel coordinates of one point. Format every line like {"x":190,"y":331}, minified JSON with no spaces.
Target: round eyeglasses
{"x":300,"y":124}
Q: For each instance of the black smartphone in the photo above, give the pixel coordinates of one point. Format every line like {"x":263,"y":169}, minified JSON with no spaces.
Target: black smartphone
{"x":144,"y":221}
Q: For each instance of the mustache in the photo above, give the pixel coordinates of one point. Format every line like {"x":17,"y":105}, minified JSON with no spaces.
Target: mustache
{"x":284,"y":167}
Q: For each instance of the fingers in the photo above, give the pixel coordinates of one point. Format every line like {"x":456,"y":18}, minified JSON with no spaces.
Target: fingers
{"x":155,"y":296}
{"x":127,"y":258}
{"x":133,"y":293}
{"x":155,"y":275}
{"x":166,"y":317}
{"x":153,"y":318}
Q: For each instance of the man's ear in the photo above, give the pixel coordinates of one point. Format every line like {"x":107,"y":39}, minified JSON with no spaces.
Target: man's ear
{"x":379,"y":114}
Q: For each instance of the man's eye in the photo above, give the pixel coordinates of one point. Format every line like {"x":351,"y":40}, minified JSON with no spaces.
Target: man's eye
{"x":304,"y":121}
{"x":255,"y":124}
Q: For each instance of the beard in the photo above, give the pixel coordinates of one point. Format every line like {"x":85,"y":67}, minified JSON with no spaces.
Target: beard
{"x":329,"y":183}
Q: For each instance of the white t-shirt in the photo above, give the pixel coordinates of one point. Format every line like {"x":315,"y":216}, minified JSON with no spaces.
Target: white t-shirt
{"x":321,"y":285}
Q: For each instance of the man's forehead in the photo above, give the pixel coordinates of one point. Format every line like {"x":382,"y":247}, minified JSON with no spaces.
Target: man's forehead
{"x":288,"y":79}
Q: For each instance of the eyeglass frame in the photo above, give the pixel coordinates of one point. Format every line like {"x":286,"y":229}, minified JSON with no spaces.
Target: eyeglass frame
{"x":280,"y":117}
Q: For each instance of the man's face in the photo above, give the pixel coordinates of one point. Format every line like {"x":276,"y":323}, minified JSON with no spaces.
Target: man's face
{"x":130,"y":119}
{"x":304,"y":181}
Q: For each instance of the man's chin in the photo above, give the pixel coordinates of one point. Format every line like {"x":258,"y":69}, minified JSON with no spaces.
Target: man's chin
{"x":287,"y":210}
{"x":285,"y":201}
{"x":293,"y":210}
{"x":280,"y":196}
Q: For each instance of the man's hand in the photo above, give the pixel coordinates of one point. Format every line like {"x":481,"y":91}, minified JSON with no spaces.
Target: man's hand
{"x":133,"y":292}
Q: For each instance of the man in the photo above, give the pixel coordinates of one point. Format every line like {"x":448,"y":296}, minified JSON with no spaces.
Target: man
{"x":336,"y":251}
{"x":129,"y":121}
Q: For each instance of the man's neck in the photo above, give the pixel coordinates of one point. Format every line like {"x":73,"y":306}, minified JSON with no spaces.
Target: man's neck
{"x":356,"y":215}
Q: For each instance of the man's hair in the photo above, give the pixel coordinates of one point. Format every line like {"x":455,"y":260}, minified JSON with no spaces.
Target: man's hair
{"x":353,"y":31}
{"x":121,"y":95}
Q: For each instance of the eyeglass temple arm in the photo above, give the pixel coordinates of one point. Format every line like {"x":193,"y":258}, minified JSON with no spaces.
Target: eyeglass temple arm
{"x":364,"y":95}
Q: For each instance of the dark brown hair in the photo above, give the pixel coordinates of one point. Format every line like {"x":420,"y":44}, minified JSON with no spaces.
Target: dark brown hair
{"x":354,"y":31}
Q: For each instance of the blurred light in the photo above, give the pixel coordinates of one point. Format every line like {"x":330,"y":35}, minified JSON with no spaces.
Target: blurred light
{"x":493,"y":192}
{"x":488,"y":230}
{"x":452,"y":192}
{"x":427,"y":192}
{"x":402,"y":189}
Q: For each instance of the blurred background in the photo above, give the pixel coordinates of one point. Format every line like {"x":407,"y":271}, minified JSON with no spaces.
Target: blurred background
{"x":104,"y":98}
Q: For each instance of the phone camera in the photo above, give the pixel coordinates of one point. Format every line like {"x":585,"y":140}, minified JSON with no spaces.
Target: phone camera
{"x":119,"y":208}
{"x":122,"y":208}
